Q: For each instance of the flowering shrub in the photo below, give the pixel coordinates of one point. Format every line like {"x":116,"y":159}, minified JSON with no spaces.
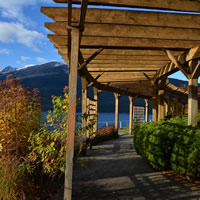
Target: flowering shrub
{"x":105,"y":133}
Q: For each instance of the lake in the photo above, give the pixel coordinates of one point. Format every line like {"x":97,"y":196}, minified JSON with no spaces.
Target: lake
{"x":107,"y":119}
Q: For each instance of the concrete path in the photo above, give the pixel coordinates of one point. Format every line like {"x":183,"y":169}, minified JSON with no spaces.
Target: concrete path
{"x":113,"y":171}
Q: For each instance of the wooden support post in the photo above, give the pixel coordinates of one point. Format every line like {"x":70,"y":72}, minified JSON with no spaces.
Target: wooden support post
{"x":166,"y":104}
{"x":177,"y":107}
{"x":155,"y":109}
{"x":130,"y":115}
{"x":88,"y":116}
{"x":96,"y":108}
{"x":116,"y":110}
{"x":84,"y":103}
{"x":146,"y":110}
{"x":71,"y":114}
{"x":161,"y":108}
{"x":193,"y":102}
{"x":133,"y":116}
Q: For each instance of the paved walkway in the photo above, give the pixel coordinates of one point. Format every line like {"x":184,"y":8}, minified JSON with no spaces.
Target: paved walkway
{"x":113,"y":171}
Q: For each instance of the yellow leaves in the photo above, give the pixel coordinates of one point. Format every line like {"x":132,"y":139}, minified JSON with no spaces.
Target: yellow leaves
{"x":1,"y":147}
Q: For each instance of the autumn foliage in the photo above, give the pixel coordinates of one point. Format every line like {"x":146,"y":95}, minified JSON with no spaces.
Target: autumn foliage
{"x":20,"y":114}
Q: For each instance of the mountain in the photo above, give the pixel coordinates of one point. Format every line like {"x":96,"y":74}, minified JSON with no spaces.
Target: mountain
{"x":50,"y":78}
{"x":7,"y":69}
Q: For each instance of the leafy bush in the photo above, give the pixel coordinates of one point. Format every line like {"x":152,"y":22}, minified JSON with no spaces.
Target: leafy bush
{"x":170,"y":144}
{"x":20,"y":113}
{"x":105,"y":133}
{"x":48,"y":145}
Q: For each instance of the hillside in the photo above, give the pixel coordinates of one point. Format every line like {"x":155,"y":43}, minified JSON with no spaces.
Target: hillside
{"x":50,"y":78}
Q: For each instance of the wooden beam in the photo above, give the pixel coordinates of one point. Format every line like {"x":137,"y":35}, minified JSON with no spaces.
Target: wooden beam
{"x":196,"y":72}
{"x":171,"y":68}
{"x":126,"y":17}
{"x":113,"y":42}
{"x":122,"y":69}
{"x":194,"y":53}
{"x":123,"y":54}
{"x":90,"y":58}
{"x":127,"y":59}
{"x":84,"y":4}
{"x":136,"y":63}
{"x":131,"y":31}
{"x":182,"y":5}
{"x":177,"y":63}
{"x":72,"y":114}
{"x":101,"y":86}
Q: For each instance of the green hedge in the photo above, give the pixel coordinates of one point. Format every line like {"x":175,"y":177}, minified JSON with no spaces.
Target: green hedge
{"x":170,"y":145}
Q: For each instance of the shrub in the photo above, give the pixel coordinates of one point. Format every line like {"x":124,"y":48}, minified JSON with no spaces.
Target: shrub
{"x":170,"y":144}
{"x":105,"y":133}
{"x":20,"y":113}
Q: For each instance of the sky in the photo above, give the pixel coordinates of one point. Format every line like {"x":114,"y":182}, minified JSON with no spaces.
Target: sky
{"x":23,"y":37}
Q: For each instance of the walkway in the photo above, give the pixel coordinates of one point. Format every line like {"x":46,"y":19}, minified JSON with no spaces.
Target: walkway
{"x":113,"y":171}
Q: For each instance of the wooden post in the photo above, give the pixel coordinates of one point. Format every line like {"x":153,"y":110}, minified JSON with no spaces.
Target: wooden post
{"x":96,"y":108}
{"x":146,"y":110}
{"x":177,"y":107}
{"x":166,"y":104}
{"x":161,"y":108}
{"x":88,"y":116}
{"x":84,"y":102}
{"x":133,"y":116}
{"x":71,"y":114}
{"x":193,"y":102}
{"x":130,"y":115}
{"x":154,"y":109}
{"x":116,"y":110}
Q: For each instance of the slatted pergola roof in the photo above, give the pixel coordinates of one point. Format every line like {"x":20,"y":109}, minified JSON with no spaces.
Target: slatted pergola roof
{"x":125,"y":50}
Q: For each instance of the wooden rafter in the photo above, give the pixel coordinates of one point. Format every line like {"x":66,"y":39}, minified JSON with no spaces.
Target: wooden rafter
{"x":125,"y":42}
{"x":126,"y":17}
{"x":182,"y":5}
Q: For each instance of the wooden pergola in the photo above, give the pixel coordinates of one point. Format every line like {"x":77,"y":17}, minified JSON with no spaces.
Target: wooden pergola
{"x":116,"y":47}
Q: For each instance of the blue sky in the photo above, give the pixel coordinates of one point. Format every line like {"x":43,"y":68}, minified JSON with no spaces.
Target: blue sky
{"x":23,"y":37}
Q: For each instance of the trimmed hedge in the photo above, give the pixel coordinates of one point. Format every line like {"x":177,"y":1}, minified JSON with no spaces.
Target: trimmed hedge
{"x":170,"y":145}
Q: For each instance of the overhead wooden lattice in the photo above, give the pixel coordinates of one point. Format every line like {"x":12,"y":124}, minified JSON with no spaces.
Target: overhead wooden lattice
{"x":131,"y":49}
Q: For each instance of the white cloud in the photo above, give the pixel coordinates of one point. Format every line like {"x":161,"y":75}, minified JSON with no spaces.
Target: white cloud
{"x":25,"y":58}
{"x":18,"y":62}
{"x":41,"y":60}
{"x":16,"y":32}
{"x":4,"y":51}
{"x":13,"y":9}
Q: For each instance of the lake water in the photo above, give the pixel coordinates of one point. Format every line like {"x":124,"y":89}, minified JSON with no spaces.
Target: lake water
{"x":107,"y":119}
